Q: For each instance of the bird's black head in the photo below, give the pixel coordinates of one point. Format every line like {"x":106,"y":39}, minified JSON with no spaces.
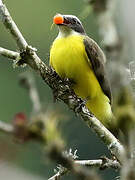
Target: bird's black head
{"x":69,"y":21}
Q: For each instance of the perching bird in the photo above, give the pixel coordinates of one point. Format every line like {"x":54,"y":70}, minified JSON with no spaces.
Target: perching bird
{"x":75,"y":56}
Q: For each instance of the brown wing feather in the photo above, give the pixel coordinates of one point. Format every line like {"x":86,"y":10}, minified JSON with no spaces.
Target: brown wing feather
{"x":97,"y":59}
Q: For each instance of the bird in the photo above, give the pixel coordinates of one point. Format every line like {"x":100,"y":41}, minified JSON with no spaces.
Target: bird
{"x":79,"y":58}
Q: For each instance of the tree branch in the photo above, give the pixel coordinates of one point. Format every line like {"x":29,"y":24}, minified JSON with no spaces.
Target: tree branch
{"x":7,"y":128}
{"x":99,"y":163}
{"x":27,"y":81}
{"x":9,"y":54}
{"x":59,"y":174}
{"x":56,"y":84}
{"x":11,"y":26}
{"x":68,"y":164}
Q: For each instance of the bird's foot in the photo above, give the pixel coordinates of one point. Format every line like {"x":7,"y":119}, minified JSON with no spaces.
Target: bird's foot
{"x":54,"y":75}
{"x":82,"y":103}
{"x":68,"y":81}
{"x":65,"y":81}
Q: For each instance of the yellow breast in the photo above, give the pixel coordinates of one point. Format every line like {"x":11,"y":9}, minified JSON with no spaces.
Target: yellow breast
{"x":69,"y":59}
{"x":66,"y":54}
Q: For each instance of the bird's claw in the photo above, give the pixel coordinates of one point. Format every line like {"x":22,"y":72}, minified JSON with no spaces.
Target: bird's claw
{"x":78,"y":108}
{"x":82,"y":103}
{"x":68,"y":81}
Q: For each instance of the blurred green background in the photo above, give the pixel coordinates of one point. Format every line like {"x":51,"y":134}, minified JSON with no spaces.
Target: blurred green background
{"x":34,"y":19}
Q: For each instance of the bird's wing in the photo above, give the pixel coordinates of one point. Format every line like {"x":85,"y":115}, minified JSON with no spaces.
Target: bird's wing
{"x":97,"y":60}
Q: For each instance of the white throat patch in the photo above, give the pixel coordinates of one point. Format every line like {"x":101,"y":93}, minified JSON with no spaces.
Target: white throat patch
{"x":65,"y":31}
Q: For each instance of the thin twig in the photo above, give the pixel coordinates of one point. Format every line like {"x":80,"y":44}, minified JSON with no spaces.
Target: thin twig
{"x":27,"y":81}
{"x":58,"y":175}
{"x":7,"y":128}
{"x":99,"y":163}
{"x":11,"y":26}
{"x":81,"y":172}
{"x":9,"y":54}
{"x":34,"y":97}
{"x":17,"y":36}
{"x":64,"y":92}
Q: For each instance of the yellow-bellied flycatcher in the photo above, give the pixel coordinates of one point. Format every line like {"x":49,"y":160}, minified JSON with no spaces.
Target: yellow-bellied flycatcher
{"x":75,"y":56}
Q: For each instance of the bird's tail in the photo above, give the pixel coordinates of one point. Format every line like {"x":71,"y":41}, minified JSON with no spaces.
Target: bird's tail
{"x":103,"y":112}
